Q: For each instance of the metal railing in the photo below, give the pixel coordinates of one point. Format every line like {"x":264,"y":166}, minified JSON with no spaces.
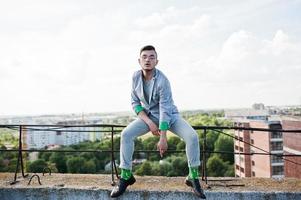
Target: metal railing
{"x":113,"y":129}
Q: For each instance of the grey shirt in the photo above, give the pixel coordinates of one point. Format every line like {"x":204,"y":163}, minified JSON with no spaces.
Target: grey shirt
{"x":147,"y":88}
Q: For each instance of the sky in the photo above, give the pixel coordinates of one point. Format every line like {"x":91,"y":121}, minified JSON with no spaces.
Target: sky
{"x":73,"y":56}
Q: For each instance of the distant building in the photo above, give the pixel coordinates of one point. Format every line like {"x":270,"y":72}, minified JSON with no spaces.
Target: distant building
{"x":292,"y":146}
{"x":258,"y":106}
{"x":258,"y":165}
{"x":37,"y":139}
{"x":249,"y":114}
{"x":274,"y":142}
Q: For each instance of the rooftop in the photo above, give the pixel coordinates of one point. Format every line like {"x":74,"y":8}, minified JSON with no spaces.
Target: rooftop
{"x":146,"y":185}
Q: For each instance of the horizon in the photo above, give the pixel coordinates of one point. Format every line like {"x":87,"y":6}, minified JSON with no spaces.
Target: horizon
{"x":132,"y":112}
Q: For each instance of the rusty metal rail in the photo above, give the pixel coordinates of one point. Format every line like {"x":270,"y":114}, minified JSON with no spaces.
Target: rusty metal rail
{"x":116,"y":129}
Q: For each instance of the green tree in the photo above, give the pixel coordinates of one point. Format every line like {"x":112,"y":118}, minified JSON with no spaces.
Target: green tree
{"x":75,"y":164}
{"x":2,"y":165}
{"x":89,"y":167}
{"x":150,"y":143}
{"x":179,"y":165}
{"x":230,"y":171}
{"x":172,"y":142}
{"x":216,"y":167}
{"x":45,"y":155}
{"x":37,"y":166}
{"x":144,"y":169}
{"x":225,"y":143}
{"x":60,"y":161}
{"x":181,"y":145}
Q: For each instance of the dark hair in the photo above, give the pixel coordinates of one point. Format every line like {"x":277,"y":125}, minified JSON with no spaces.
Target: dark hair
{"x":148,"y":48}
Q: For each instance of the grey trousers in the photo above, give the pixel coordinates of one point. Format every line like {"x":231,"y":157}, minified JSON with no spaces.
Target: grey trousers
{"x":138,"y":127}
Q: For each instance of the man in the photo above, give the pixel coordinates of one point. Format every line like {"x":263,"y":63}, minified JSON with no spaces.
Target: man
{"x":152,"y":101}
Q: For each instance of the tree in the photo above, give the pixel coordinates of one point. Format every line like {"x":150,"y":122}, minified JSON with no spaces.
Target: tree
{"x":144,"y":169}
{"x":2,"y":165}
{"x":45,"y":155}
{"x":162,"y":168}
{"x":181,"y":145}
{"x":89,"y":167}
{"x":172,"y":142}
{"x":216,"y":166}
{"x":60,"y":161}
{"x":179,"y":165}
{"x":75,"y":164}
{"x":37,"y":166}
{"x":225,"y":143}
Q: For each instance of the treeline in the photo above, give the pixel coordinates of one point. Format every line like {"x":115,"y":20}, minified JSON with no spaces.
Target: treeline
{"x":173,"y":164}
{"x":8,"y":159}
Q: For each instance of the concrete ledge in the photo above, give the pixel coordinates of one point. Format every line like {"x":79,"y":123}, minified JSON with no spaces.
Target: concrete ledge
{"x":98,"y":186}
{"x":99,"y":194}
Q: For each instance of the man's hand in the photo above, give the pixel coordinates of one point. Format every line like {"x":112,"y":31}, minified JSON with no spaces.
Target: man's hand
{"x":153,"y":128}
{"x":162,"y":144}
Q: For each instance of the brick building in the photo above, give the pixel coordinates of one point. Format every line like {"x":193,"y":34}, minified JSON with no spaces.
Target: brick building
{"x":258,"y":165}
{"x":292,"y":146}
{"x":275,"y":142}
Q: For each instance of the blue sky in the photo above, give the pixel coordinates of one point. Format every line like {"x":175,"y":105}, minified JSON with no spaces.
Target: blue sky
{"x":79,"y":56}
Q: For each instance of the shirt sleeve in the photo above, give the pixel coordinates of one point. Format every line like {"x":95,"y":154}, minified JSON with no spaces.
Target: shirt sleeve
{"x":136,"y":105}
{"x":165,"y":105}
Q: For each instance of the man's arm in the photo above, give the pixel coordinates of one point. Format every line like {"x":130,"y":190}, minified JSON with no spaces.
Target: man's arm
{"x":162,"y":144}
{"x":165,"y":104}
{"x":139,"y":110}
{"x":152,"y":126}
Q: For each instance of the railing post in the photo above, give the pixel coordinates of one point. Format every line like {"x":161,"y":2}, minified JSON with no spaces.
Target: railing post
{"x":20,"y":143}
{"x":20,"y":158}
{"x":204,"y":159}
{"x":113,"y":164}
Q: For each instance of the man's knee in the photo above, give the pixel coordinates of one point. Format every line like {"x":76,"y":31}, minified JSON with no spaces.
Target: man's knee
{"x":127,"y":135}
{"x":193,"y":137}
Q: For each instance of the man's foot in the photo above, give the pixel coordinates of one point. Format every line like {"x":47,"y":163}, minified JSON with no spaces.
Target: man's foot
{"x":122,"y":185}
{"x":197,"y":189}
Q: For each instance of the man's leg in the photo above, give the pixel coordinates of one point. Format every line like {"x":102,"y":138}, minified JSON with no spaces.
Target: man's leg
{"x":181,"y":128}
{"x":128,"y":135}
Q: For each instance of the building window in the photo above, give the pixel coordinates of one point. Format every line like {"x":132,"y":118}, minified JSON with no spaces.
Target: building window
{"x":242,"y":170}
{"x":276,"y":134}
{"x":253,"y":173}
{"x":252,"y":141}
{"x":241,"y":149}
{"x":236,"y":147}
{"x":237,"y":167}
{"x":277,"y":146}
{"x":240,"y":138}
{"x":276,"y":159}
{"x":253,"y":162}
{"x":277,"y":170}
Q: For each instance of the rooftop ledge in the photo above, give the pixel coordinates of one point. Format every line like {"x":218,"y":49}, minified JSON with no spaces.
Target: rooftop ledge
{"x":97,"y":186}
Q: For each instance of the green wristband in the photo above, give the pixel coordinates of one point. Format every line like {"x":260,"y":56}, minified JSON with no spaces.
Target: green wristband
{"x":164,"y":126}
{"x":138,"y":109}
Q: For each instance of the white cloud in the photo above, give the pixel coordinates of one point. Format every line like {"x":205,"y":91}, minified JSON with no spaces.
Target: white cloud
{"x":74,"y":56}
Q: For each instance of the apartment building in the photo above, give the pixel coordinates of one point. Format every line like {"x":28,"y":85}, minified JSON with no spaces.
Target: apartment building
{"x":274,"y":142}
{"x":37,"y":139}
{"x":292,"y":146}
{"x":259,"y":165}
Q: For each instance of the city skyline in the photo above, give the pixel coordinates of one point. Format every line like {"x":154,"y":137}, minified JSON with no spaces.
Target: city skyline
{"x":79,"y":57}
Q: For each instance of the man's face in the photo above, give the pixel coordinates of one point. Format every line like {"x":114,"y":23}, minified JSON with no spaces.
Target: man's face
{"x":148,"y":60}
